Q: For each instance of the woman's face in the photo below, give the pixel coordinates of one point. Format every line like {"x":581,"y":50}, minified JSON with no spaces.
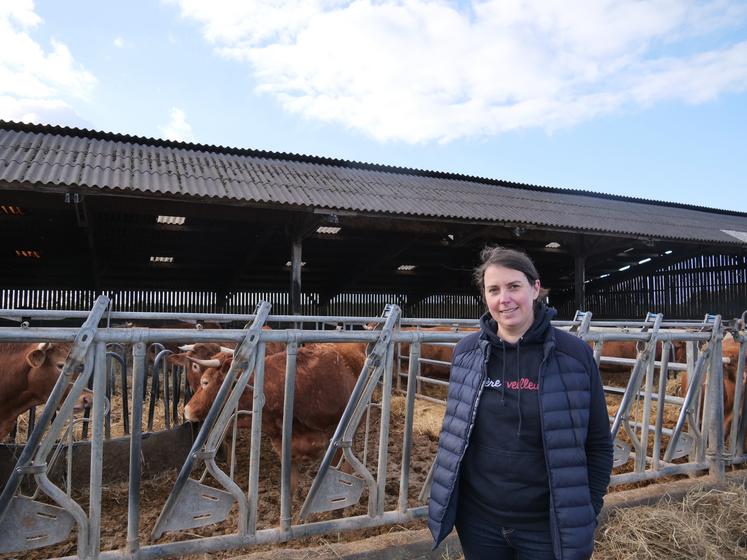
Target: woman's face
{"x":510,"y":298}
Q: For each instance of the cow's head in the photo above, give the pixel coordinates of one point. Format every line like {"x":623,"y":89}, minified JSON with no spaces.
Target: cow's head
{"x":194,"y":358}
{"x":45,"y":362}
{"x":210,"y":382}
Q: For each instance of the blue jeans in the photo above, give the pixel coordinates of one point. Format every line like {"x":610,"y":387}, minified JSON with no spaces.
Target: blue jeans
{"x":484,"y":541}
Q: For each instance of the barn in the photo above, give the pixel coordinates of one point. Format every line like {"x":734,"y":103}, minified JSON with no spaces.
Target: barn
{"x":164,"y":226}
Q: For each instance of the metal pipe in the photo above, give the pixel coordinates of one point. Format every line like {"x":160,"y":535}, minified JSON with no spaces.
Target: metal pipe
{"x":630,"y":391}
{"x":641,"y":459}
{"x":133,"y":497}
{"x":97,"y":448}
{"x":429,"y":380}
{"x":692,"y":390}
{"x":286,"y":463}
{"x":264,"y":536}
{"x":736,"y":412}
{"x":72,"y":508}
{"x":685,"y":468}
{"x":661,"y":401}
{"x":258,"y":402}
{"x":714,"y":409}
{"x":386,"y":406}
{"x":669,"y":399}
{"x":404,"y":478}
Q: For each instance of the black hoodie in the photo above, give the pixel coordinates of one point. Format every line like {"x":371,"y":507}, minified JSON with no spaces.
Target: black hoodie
{"x":504,"y":474}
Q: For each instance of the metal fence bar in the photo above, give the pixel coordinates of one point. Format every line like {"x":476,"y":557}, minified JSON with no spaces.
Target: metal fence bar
{"x":133,"y":496}
{"x":257,"y":404}
{"x":404,"y":483}
{"x":287,"y":459}
{"x":100,"y":379}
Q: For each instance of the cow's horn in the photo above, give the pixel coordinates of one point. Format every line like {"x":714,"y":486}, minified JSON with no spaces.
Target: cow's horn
{"x":214,"y":362}
{"x":227,"y":350}
{"x":43,"y":346}
{"x":187,"y":347}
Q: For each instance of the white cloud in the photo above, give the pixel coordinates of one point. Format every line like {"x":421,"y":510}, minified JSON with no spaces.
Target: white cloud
{"x":52,"y":111}
{"x":36,"y":85}
{"x":422,"y":70}
{"x":119,"y":42}
{"x":177,"y":128}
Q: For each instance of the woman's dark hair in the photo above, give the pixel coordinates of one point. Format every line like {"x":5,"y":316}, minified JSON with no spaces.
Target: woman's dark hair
{"x":507,"y":258}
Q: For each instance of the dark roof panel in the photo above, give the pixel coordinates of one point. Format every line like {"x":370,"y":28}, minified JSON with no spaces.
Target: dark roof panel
{"x":35,"y":154}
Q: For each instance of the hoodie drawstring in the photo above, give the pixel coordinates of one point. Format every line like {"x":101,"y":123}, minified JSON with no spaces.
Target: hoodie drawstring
{"x":518,"y":384}
{"x":503,"y":377}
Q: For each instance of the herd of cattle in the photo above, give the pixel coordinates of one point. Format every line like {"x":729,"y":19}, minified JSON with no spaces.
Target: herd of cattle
{"x":325,"y":376}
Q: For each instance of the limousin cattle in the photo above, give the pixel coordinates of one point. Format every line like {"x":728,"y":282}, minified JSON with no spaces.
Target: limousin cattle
{"x":730,"y":353}
{"x":629,"y":349}
{"x":436,"y":352}
{"x":28,"y":373}
{"x":354,"y":353}
{"x":195,"y":358}
{"x":324,"y":383}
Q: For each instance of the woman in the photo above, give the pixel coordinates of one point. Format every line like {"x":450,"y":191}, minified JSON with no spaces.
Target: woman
{"x":525,"y":454}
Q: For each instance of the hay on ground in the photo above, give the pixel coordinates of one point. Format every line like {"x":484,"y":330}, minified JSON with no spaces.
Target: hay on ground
{"x":707,"y":525}
{"x":428,"y":416}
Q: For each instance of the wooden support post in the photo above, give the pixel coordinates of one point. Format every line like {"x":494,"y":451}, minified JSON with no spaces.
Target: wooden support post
{"x":580,"y":279}
{"x":295,"y":286}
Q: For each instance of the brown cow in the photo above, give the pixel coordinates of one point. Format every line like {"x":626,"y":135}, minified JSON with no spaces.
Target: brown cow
{"x":730,"y":351}
{"x":354,"y":353}
{"x":195,"y":358}
{"x":324,"y":383}
{"x":628,"y":349}
{"x":433,"y":352}
{"x":28,"y":373}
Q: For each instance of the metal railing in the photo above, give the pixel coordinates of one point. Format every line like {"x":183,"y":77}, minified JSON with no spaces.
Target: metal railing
{"x":46,"y":514}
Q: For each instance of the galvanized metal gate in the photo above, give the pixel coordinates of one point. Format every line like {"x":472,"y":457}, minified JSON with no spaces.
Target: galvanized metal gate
{"x":47,"y":514}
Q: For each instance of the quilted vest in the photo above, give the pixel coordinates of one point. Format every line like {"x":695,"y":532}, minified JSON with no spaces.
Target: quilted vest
{"x":576,"y":439}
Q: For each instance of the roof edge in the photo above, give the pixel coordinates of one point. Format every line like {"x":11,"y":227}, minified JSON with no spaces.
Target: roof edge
{"x":321,"y":160}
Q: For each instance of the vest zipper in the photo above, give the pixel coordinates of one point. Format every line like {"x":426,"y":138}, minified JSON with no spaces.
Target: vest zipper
{"x":556,"y":544}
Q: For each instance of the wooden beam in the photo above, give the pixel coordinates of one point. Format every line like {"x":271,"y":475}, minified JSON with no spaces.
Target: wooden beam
{"x":295,"y":281}
{"x":580,"y":281}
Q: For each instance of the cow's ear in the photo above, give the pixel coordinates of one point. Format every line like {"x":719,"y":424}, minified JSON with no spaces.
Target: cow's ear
{"x":178,"y":359}
{"x":225,"y":366}
{"x":36,"y":358}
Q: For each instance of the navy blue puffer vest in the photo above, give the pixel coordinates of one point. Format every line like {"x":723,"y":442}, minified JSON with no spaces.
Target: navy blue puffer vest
{"x":576,"y":438}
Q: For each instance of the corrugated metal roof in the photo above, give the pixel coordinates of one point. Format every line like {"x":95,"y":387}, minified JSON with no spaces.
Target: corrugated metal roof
{"x":48,"y":155}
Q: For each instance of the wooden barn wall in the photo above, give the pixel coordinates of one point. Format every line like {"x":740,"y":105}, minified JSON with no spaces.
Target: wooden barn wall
{"x":689,"y":289}
{"x":346,"y":304}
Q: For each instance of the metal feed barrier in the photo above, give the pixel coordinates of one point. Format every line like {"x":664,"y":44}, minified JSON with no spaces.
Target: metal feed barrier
{"x":35,"y":513}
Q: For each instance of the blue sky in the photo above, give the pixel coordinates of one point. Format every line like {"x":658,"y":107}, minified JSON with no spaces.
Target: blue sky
{"x":645,"y":99}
